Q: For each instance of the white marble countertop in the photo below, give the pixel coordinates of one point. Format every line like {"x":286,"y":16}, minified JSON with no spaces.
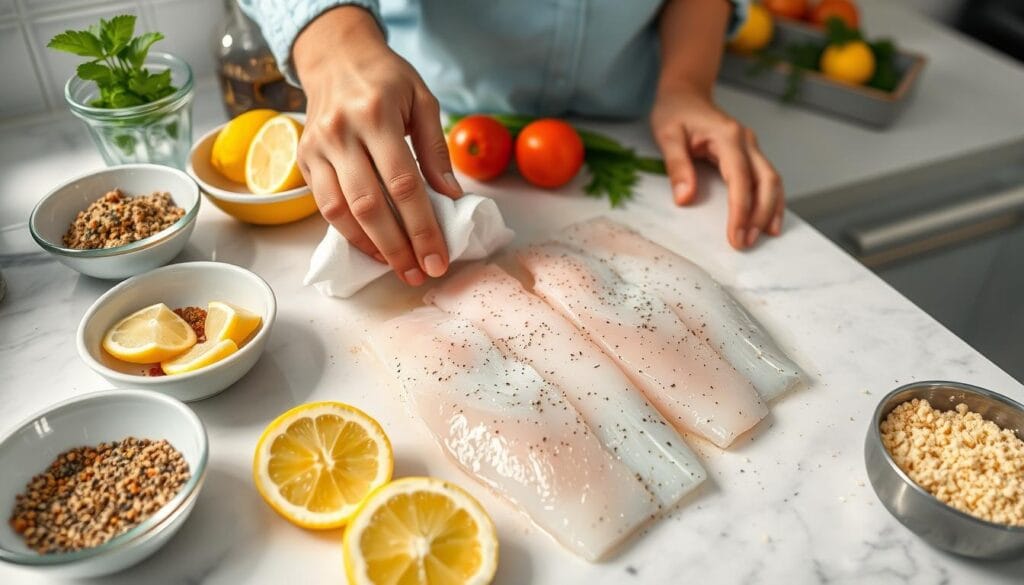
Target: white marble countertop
{"x":790,"y":504}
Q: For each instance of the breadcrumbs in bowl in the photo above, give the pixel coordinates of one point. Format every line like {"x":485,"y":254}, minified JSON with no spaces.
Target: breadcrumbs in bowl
{"x":960,"y":458}
{"x":943,"y":459}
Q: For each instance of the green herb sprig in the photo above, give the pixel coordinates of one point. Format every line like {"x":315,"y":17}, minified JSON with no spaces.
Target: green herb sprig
{"x":614,"y":169}
{"x":115,"y":62}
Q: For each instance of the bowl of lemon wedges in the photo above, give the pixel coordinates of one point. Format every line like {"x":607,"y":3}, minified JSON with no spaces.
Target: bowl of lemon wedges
{"x":248,"y":168}
{"x":187,"y":330}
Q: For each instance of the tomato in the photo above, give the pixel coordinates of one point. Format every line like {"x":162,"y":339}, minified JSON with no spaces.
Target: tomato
{"x":795,"y":9}
{"x":549,"y":153}
{"x":480,"y":147}
{"x":844,"y":10}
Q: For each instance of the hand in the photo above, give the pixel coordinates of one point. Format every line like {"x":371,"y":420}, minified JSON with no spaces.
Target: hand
{"x":363,"y":100}
{"x":687,"y":125}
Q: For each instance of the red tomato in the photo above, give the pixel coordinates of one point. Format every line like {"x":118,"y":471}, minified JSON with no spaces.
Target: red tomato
{"x":844,"y":10}
{"x":795,"y":9}
{"x":549,"y":153}
{"x":480,"y":147}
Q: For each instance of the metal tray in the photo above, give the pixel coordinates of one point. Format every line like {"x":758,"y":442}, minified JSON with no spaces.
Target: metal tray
{"x":867,"y":105}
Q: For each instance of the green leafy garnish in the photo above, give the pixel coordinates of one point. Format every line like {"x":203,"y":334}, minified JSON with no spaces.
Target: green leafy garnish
{"x":115,"y":62}
{"x":614,"y":168}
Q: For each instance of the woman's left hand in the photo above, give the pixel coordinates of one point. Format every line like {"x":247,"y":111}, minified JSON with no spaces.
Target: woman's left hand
{"x":687,"y":125}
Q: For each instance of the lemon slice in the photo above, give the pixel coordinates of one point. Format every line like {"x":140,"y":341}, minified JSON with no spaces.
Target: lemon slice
{"x":149,"y":335}
{"x":317,"y":462}
{"x":420,"y":531}
{"x":271,"y":165}
{"x":226,"y":321}
{"x":201,"y":355}
{"x":232,"y":143}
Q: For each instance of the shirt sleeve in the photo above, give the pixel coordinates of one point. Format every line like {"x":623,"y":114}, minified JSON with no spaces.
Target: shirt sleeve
{"x":281,"y":21}
{"x":739,"y":16}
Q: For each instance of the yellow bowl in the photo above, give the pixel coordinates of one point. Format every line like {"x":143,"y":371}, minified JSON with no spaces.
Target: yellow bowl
{"x":236,"y":200}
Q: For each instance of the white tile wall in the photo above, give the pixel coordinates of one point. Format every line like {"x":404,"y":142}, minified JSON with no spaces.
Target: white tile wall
{"x":38,"y":74}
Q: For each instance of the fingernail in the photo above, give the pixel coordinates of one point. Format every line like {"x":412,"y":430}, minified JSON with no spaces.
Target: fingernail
{"x":777,"y":225}
{"x":752,"y":236}
{"x":434,"y":265}
{"x":453,"y":184}
{"x":680,"y":191}
{"x":379,"y":258}
{"x":414,"y":277}
{"x":741,"y":237}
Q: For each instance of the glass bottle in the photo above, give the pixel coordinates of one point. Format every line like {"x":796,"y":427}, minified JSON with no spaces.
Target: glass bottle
{"x":248,"y":74}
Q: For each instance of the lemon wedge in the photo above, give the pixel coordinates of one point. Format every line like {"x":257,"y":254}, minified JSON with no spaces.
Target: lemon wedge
{"x":201,"y":355}
{"x":271,"y":165}
{"x":317,"y":462}
{"x":226,"y":321}
{"x":232,"y":143}
{"x":149,"y":335}
{"x":420,"y":531}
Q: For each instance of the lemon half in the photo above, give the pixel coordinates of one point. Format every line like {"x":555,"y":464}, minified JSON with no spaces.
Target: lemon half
{"x":420,"y":531}
{"x":232,"y":143}
{"x":271,"y":165}
{"x":316,"y":463}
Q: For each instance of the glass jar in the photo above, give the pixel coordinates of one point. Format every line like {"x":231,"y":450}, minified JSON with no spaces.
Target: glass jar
{"x":248,"y":74}
{"x":159,"y":132}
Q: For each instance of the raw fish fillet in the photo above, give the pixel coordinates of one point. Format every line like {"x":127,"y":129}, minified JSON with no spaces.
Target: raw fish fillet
{"x":513,"y":431}
{"x":706,"y":308}
{"x":685,"y":379}
{"x":527,"y":328}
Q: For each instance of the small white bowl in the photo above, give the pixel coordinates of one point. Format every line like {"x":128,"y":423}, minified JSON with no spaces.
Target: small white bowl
{"x":88,"y":420}
{"x":57,"y":209}
{"x":179,"y":285}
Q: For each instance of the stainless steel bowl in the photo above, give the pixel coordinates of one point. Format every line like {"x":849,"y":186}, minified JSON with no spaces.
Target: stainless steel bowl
{"x":938,"y":524}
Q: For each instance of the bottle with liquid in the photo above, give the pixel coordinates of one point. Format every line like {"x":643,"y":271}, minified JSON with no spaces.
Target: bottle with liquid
{"x":248,"y":74}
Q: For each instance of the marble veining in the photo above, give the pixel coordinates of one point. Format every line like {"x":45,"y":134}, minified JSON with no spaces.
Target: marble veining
{"x":789,"y":503}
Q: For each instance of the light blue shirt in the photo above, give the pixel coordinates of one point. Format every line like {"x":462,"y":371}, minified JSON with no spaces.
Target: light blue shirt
{"x":540,"y":57}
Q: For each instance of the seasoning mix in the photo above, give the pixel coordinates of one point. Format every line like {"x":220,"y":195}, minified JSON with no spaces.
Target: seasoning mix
{"x":960,"y":458}
{"x":89,"y":495}
{"x":117,"y":219}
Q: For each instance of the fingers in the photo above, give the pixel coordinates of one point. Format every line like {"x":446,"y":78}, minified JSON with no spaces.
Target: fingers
{"x":401,"y":178}
{"x":729,"y":150}
{"x":673,"y":144}
{"x":431,"y":147}
{"x":767,"y":191}
{"x":324,"y":182}
{"x":368,"y":205}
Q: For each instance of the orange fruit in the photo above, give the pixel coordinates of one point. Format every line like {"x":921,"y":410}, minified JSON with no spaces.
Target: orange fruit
{"x":756,"y":32}
{"x":795,"y":9}
{"x":844,"y":10}
{"x":852,"y":62}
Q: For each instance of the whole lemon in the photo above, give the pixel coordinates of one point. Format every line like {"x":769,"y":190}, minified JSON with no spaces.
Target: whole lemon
{"x":756,"y":32}
{"x":851,"y":62}
{"x":232,"y":143}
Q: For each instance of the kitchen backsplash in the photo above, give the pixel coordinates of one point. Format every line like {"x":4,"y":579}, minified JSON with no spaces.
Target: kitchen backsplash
{"x":34,"y":76}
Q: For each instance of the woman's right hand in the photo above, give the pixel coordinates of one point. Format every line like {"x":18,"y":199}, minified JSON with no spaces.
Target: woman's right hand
{"x":363,"y":100}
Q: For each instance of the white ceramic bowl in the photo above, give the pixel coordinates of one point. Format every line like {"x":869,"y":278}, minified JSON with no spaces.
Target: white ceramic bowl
{"x":236,"y":200}
{"x":88,"y":420}
{"x":57,"y":209}
{"x":179,"y":285}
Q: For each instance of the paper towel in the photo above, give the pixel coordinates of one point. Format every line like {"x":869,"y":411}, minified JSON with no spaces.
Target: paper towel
{"x":472,"y":226}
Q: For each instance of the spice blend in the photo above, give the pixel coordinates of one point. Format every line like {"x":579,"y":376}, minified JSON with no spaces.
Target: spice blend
{"x":960,"y":458}
{"x":89,"y":495}
{"x":116,"y":219}
{"x":196,"y":319}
